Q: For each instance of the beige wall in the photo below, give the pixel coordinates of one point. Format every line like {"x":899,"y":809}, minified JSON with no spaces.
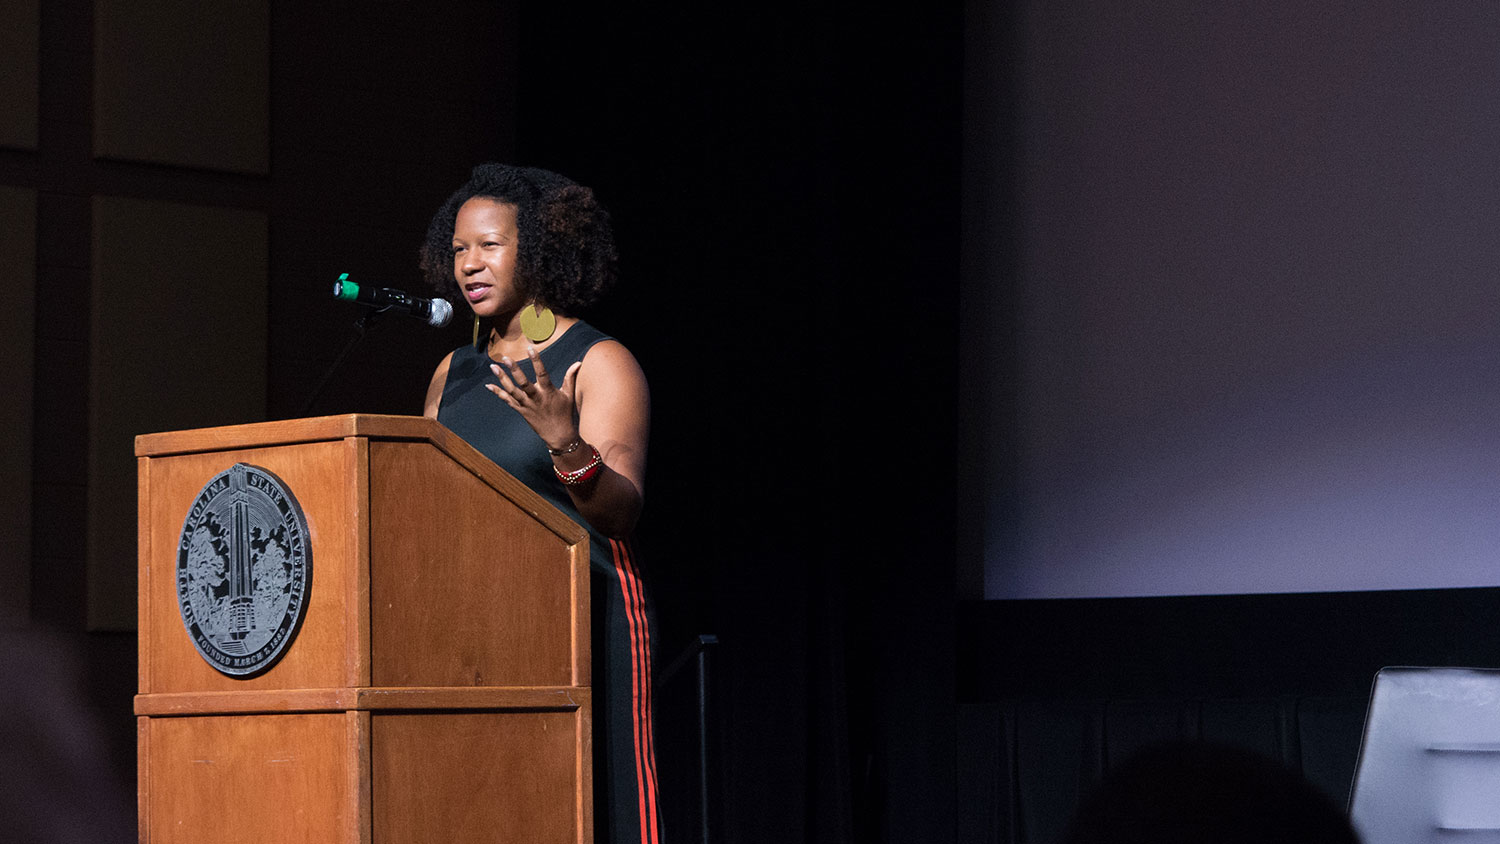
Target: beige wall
{"x":196,"y":175}
{"x":175,"y":201}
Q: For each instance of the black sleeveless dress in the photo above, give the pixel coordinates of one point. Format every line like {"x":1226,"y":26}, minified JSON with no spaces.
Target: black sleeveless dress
{"x":625,"y":788}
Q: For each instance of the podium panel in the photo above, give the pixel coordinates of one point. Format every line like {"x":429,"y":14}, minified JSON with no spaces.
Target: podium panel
{"x":320,"y":475}
{"x":242,"y":779}
{"x":512,"y":625}
{"x":458,"y":777}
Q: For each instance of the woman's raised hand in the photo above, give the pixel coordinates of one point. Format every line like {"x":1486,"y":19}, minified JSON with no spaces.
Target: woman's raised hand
{"x":550,"y":411}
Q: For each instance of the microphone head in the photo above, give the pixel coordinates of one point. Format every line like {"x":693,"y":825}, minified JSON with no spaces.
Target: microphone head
{"x":442,"y":311}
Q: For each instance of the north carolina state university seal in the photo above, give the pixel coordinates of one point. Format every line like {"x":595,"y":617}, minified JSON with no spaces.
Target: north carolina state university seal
{"x":244,"y":566}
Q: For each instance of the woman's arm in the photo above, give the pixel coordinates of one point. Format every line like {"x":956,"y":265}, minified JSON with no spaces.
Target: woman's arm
{"x":603,"y":402}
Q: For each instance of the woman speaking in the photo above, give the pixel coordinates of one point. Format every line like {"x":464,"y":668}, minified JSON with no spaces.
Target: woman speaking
{"x":565,"y":409}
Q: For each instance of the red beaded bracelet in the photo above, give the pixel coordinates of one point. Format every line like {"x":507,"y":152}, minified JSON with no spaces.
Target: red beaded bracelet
{"x":578,"y":476}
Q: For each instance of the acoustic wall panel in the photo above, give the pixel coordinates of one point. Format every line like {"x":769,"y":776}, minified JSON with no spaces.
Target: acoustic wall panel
{"x":178,"y":340}
{"x":20,"y":37}
{"x":17,"y":349}
{"x":19,"y":60}
{"x":182,"y":82}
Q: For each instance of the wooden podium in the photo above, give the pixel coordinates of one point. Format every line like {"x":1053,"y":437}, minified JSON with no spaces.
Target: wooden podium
{"x":438,"y":686}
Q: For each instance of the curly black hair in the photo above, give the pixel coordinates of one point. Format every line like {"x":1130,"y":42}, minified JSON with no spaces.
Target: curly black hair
{"x":565,"y":256}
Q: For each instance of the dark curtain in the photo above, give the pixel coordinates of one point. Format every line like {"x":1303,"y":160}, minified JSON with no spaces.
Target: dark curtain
{"x":785,"y":191}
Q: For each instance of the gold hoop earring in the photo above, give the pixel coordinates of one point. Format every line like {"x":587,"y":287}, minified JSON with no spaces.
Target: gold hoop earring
{"x":537,"y":322}
{"x":475,"y":340}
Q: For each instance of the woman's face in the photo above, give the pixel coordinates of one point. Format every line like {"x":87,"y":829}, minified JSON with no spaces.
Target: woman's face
{"x":484,"y":256}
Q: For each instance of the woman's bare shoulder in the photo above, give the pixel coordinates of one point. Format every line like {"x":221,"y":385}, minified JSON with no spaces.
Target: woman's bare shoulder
{"x":610,"y":366}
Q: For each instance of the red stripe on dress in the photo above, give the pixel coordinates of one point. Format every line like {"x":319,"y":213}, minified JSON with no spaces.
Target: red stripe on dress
{"x":648,"y":687}
{"x":645,"y":761}
{"x":644,"y":650}
{"x":635,"y":714}
{"x":640,"y":689}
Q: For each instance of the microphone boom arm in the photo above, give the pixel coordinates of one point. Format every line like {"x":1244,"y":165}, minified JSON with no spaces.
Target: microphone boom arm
{"x":361,"y":327}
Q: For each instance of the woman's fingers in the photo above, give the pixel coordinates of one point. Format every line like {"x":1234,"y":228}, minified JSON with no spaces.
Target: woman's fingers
{"x":570,"y":378}
{"x":504,"y":396}
{"x":512,"y":378}
{"x":541,"y":370}
{"x":550,"y":411}
{"x":510,"y":382}
{"x":517,"y":377}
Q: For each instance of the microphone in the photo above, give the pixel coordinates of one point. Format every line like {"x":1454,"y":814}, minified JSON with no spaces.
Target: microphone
{"x":435,"y":312}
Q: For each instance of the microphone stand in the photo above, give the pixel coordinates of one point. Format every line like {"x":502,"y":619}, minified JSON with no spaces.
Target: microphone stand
{"x":361,"y":326}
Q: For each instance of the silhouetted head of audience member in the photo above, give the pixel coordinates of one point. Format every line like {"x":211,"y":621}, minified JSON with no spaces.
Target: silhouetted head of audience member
{"x":1181,"y":792}
{"x":56,"y":786}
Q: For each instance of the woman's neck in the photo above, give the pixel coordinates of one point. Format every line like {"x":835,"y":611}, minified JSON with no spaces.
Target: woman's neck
{"x":511,"y":342}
